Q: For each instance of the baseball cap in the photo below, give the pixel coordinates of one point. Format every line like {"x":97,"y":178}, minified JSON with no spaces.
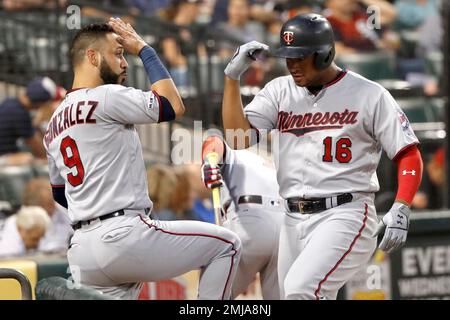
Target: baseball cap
{"x":43,"y":89}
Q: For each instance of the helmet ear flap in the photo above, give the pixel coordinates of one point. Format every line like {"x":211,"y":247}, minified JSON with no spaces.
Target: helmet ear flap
{"x":324,"y":58}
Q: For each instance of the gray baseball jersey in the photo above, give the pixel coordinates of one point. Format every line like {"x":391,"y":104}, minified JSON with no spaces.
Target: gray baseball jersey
{"x":330,"y":143}
{"x":94,"y":151}
{"x":257,"y":225}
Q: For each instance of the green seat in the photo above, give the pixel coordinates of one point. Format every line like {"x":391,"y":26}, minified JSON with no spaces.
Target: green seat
{"x":434,"y":63}
{"x":421,"y":109}
{"x":12,"y":182}
{"x":374,"y":66}
{"x":40,"y":170}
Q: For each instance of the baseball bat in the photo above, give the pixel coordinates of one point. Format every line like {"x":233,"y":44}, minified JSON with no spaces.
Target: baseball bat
{"x":213,"y":160}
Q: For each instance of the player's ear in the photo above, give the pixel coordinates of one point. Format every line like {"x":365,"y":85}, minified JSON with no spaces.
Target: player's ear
{"x":93,"y":57}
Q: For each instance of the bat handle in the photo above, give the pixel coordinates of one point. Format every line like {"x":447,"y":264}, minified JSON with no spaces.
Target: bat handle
{"x":213,"y":160}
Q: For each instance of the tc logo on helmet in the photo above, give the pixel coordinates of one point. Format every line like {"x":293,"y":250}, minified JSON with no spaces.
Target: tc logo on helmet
{"x":288,"y":37}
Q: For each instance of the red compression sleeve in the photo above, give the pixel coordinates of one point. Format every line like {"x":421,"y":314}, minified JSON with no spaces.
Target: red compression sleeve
{"x":409,"y":174}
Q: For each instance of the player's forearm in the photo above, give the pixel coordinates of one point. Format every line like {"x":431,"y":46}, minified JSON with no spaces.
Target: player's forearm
{"x":167,"y":89}
{"x":410,"y":168}
{"x":232,"y":112}
{"x":160,"y":78}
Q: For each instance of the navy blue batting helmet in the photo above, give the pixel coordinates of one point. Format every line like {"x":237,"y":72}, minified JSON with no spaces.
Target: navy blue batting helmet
{"x":307,"y":34}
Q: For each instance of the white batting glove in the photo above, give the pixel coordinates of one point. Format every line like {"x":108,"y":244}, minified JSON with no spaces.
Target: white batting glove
{"x":211,"y":176}
{"x":396,"y":222}
{"x":243,"y":57}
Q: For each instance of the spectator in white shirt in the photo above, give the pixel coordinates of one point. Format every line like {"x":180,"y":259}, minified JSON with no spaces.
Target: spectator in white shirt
{"x":21,"y":232}
{"x":38,"y":192}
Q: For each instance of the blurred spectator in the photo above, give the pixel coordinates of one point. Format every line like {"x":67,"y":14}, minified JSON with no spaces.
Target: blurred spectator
{"x":182,"y":201}
{"x":162,"y":182}
{"x":147,"y":7}
{"x":19,"y":5}
{"x":265,"y":11}
{"x":248,"y":20}
{"x":412,"y":14}
{"x":421,"y":30}
{"x":203,"y":208}
{"x":296,"y":7}
{"x":44,"y":113}
{"x":176,"y":193}
{"x":15,"y":121}
{"x":352,"y":30}
{"x":22,"y":232}
{"x":420,"y":201}
{"x":429,"y":49}
{"x":240,"y":29}
{"x":435,"y":168}
{"x":176,"y":49}
{"x":38,"y":192}
{"x":430,"y":35}
{"x":102,"y":9}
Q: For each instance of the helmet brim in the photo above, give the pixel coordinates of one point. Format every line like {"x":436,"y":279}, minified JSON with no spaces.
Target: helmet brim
{"x":293,"y":52}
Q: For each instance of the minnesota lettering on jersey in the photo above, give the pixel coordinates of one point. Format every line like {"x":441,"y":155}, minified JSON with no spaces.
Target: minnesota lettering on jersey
{"x":300,"y":124}
{"x":70,"y":116}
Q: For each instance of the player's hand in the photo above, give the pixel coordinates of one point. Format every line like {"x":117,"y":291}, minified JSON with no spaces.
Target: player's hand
{"x":131,"y":41}
{"x":396,"y":222}
{"x":243,"y":57}
{"x":211,"y":176}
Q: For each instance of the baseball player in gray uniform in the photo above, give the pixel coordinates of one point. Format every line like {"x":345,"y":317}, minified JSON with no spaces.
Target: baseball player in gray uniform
{"x":253,"y":209}
{"x":331,"y":128}
{"x":97,"y":171}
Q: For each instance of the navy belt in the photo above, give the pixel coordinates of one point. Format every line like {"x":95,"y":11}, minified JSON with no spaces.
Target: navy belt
{"x":314,"y":205}
{"x":250,"y":199}
{"x":117,"y":213}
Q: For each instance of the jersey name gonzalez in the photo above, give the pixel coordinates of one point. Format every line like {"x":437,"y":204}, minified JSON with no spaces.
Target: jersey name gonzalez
{"x":81,"y":113}
{"x":300,"y":124}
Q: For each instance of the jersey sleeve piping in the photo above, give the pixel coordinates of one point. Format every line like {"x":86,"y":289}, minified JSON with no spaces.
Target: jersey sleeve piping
{"x":403,"y":149}
{"x":160,"y":117}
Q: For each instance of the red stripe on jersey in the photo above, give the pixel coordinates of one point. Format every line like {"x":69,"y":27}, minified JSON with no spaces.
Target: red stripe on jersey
{"x":403,"y":149}
{"x":339,"y":77}
{"x":74,"y":89}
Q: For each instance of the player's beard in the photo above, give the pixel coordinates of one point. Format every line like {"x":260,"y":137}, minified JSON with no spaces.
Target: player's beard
{"x":108,"y":75}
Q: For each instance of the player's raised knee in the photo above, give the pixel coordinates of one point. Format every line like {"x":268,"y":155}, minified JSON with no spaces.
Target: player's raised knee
{"x":233,"y":238}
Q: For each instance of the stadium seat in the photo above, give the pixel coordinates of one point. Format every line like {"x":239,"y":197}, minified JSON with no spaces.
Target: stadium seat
{"x":421,"y":109}
{"x":40,"y":170}
{"x":12,"y":183}
{"x":374,"y":66}
{"x":434,"y":63}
